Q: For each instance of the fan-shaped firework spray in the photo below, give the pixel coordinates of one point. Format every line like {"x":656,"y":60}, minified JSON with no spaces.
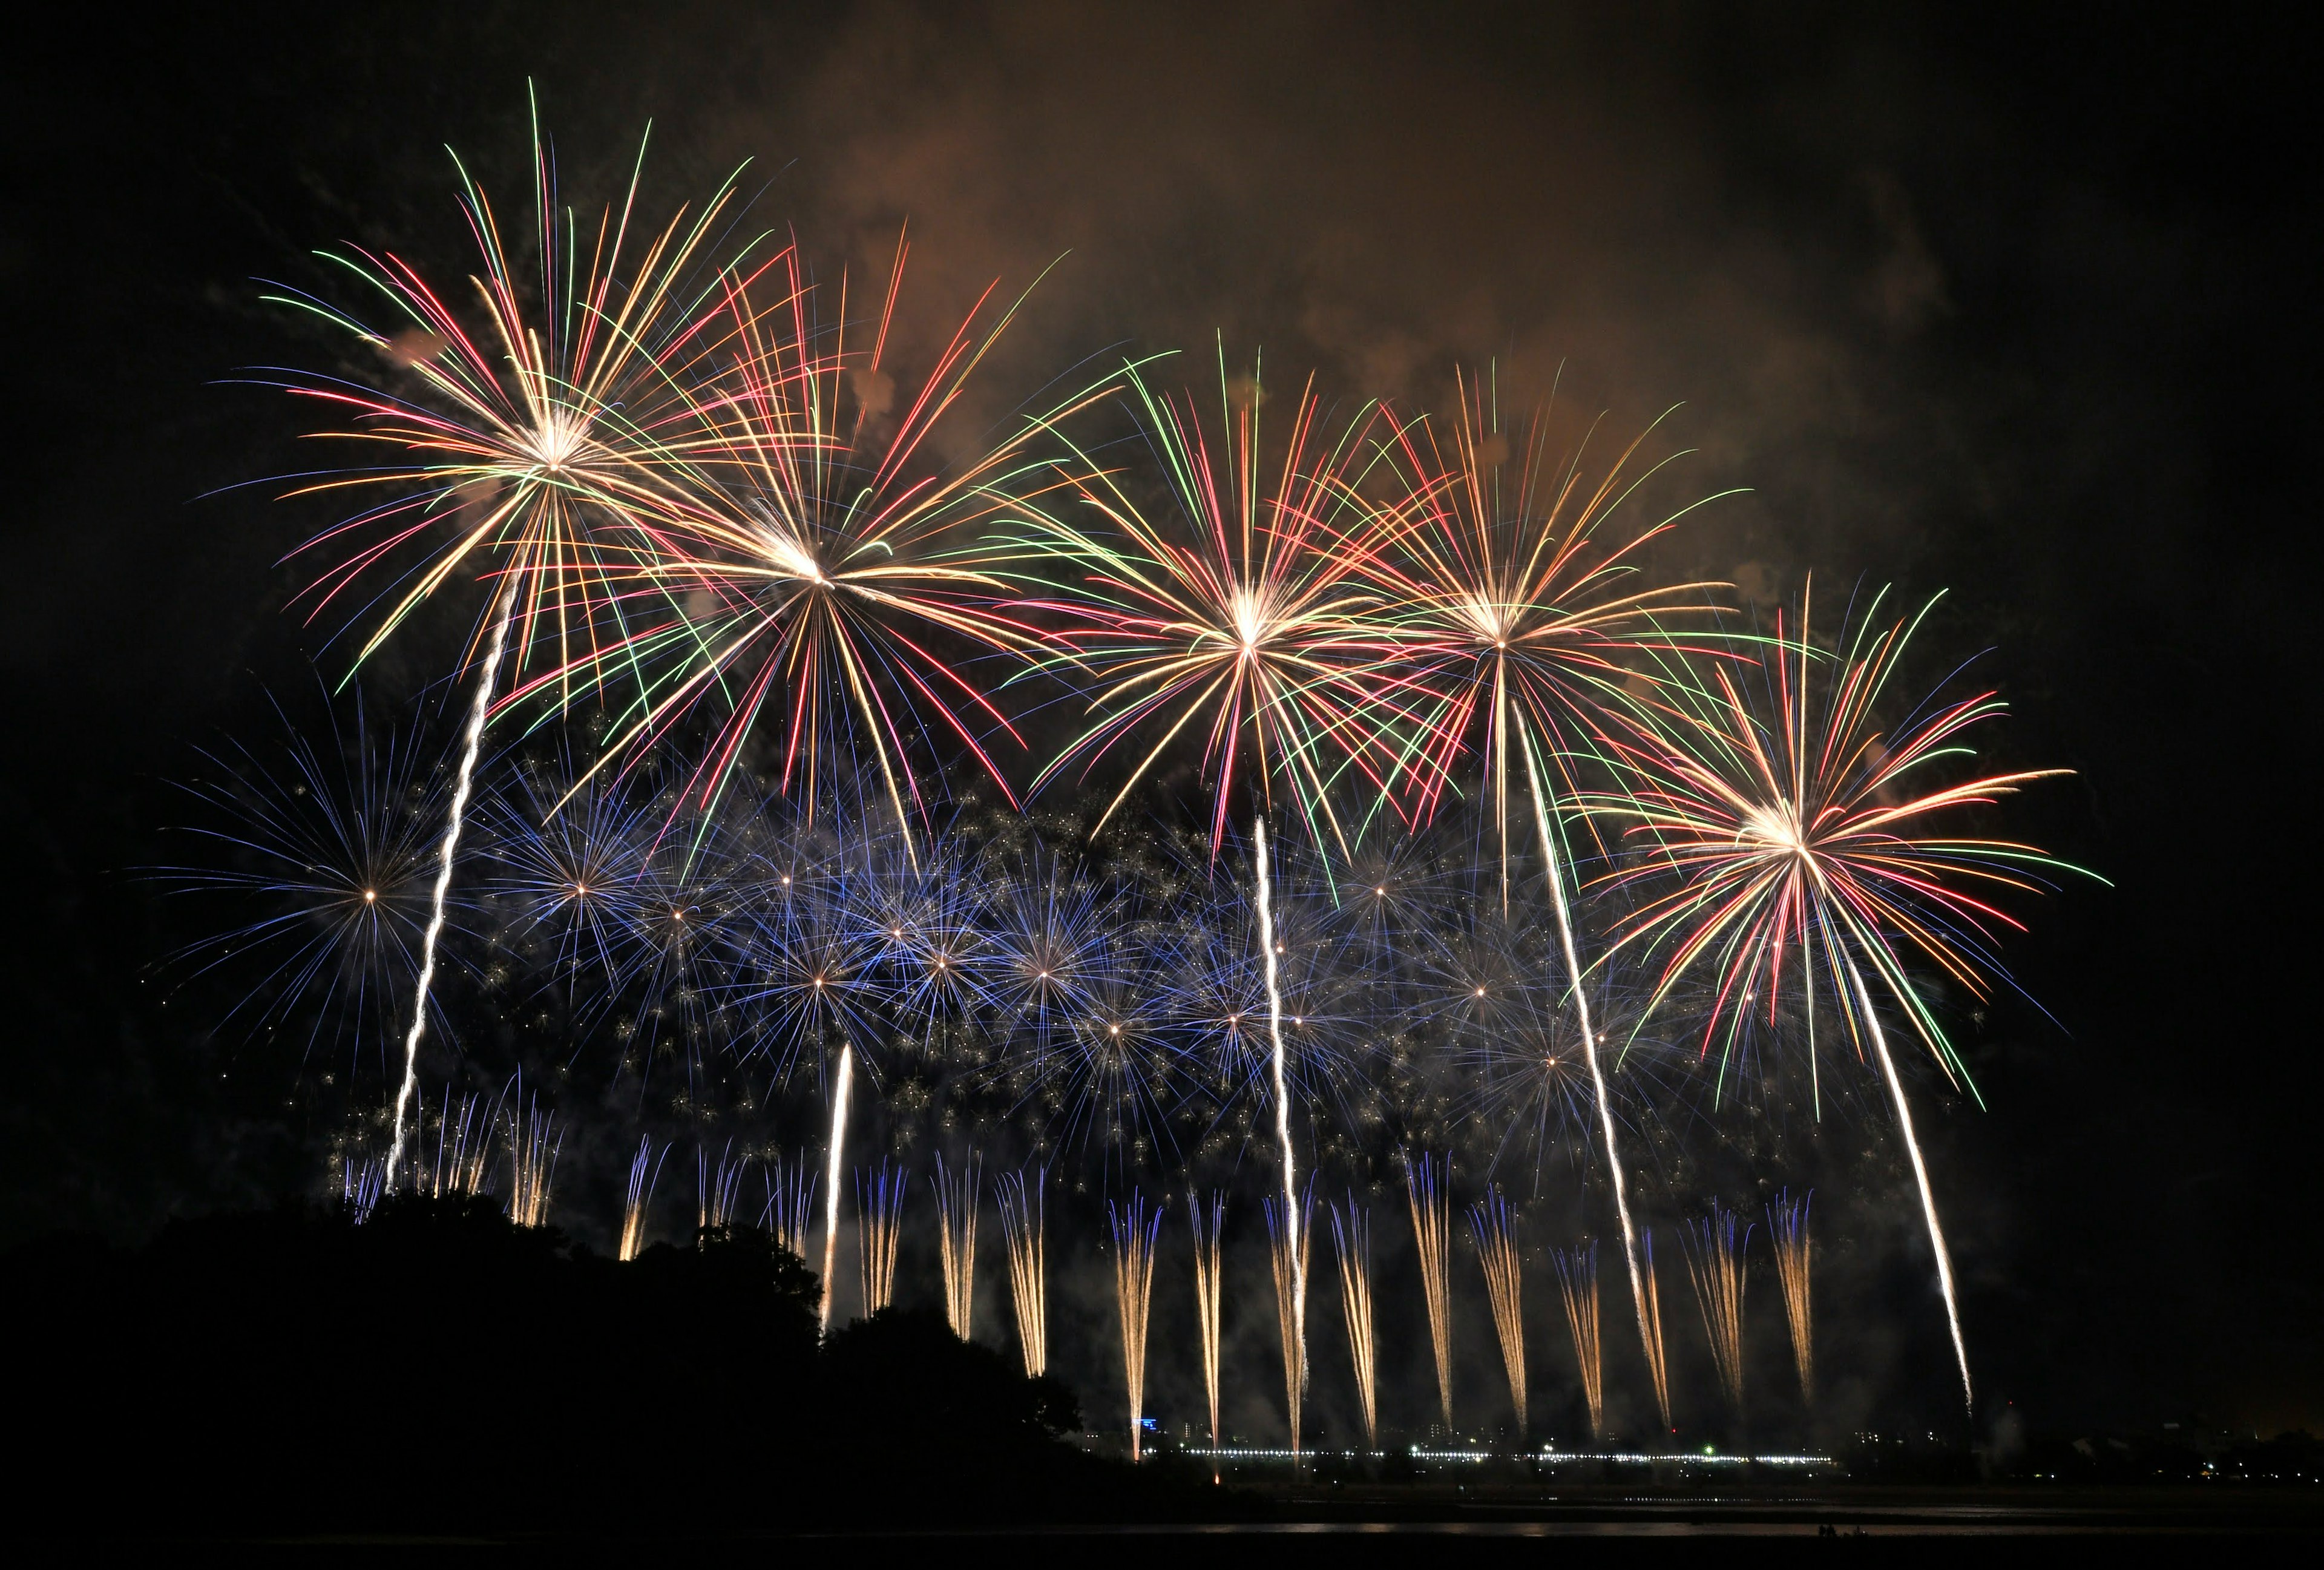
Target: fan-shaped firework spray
{"x":957,"y":1193}
{"x":1495,"y":1230}
{"x":1432,"y":1233}
{"x":463,"y":1147}
{"x":361,"y":1183}
{"x":878,"y":1225}
{"x":1022,"y":1225}
{"x":1208,"y":1220}
{"x":1577,"y":1283}
{"x":1787,"y":1230}
{"x":1135,"y":1228}
{"x":1650,"y":1330}
{"x":1287,"y":1245}
{"x":645,"y":1176}
{"x":533,"y":1141}
{"x":789,"y":1216}
{"x":1352,"y":1239}
{"x":717,"y":1187}
{"x":1717,"y":1265}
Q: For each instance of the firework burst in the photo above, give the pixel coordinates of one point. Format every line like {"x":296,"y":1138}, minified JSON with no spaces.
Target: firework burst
{"x":1792,"y":838}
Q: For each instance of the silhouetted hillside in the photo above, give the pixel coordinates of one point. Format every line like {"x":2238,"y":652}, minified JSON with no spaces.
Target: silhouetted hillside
{"x":438,"y":1367}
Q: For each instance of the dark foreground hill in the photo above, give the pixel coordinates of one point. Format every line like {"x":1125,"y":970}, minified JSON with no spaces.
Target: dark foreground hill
{"x":439,"y":1368}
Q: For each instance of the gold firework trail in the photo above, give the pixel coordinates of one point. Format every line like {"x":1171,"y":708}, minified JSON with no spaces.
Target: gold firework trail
{"x":1495,"y":1230}
{"x":1208,"y":1221}
{"x":1577,"y":1283}
{"x":957,"y":1193}
{"x":1716,"y":1265}
{"x":1351,"y":1237}
{"x":879,"y":1220}
{"x":645,"y":1176}
{"x":1650,"y":1331}
{"x":1022,"y":1224}
{"x":1286,"y":1236}
{"x":1432,"y":1227}
{"x":716,"y":1187}
{"x":1787,"y":1227}
{"x":1134,"y":1232}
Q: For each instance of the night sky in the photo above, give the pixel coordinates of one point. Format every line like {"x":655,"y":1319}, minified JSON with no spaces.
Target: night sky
{"x":2021,"y":310}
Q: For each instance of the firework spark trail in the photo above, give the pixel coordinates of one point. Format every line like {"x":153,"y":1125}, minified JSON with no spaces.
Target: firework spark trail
{"x":1590,"y":1051}
{"x":835,"y":1146}
{"x":1787,"y":1230}
{"x":1022,"y":1225}
{"x":472,"y":740}
{"x":1287,"y":1246}
{"x":957,"y":1191}
{"x":878,"y":1225}
{"x":1431,"y":1229}
{"x":717,"y":1187}
{"x":1920,"y":1174}
{"x":1717,"y":1265}
{"x":1208,"y":1220}
{"x":1577,"y":1283}
{"x":1296,"y":1249}
{"x":1657,"y":1365}
{"x":789,"y":1212}
{"x":1134,"y":1232}
{"x":645,"y":1176}
{"x":533,"y":1141}
{"x":1352,"y":1239}
{"x":1495,"y":1230}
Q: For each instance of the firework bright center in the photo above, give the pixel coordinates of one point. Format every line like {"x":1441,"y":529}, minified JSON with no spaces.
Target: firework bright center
{"x":1775,"y":829}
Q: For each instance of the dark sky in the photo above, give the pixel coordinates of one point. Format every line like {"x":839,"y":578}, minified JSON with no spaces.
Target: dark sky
{"x":2018,"y":307}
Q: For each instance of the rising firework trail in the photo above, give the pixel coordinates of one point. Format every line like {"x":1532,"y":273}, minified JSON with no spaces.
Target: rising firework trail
{"x":1787,"y":1229}
{"x":1286,"y":1246}
{"x":472,"y":739}
{"x":1718,"y":1266}
{"x":1352,"y":1239}
{"x":1577,"y":1283}
{"x":645,"y":1176}
{"x":957,"y":1194}
{"x":1295,"y":1247}
{"x":1135,"y":1228}
{"x":1790,"y":832}
{"x":1022,"y":1223}
{"x":1495,"y":1230}
{"x":1208,"y":1219}
{"x":834,"y":1148}
{"x":1432,"y":1231}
